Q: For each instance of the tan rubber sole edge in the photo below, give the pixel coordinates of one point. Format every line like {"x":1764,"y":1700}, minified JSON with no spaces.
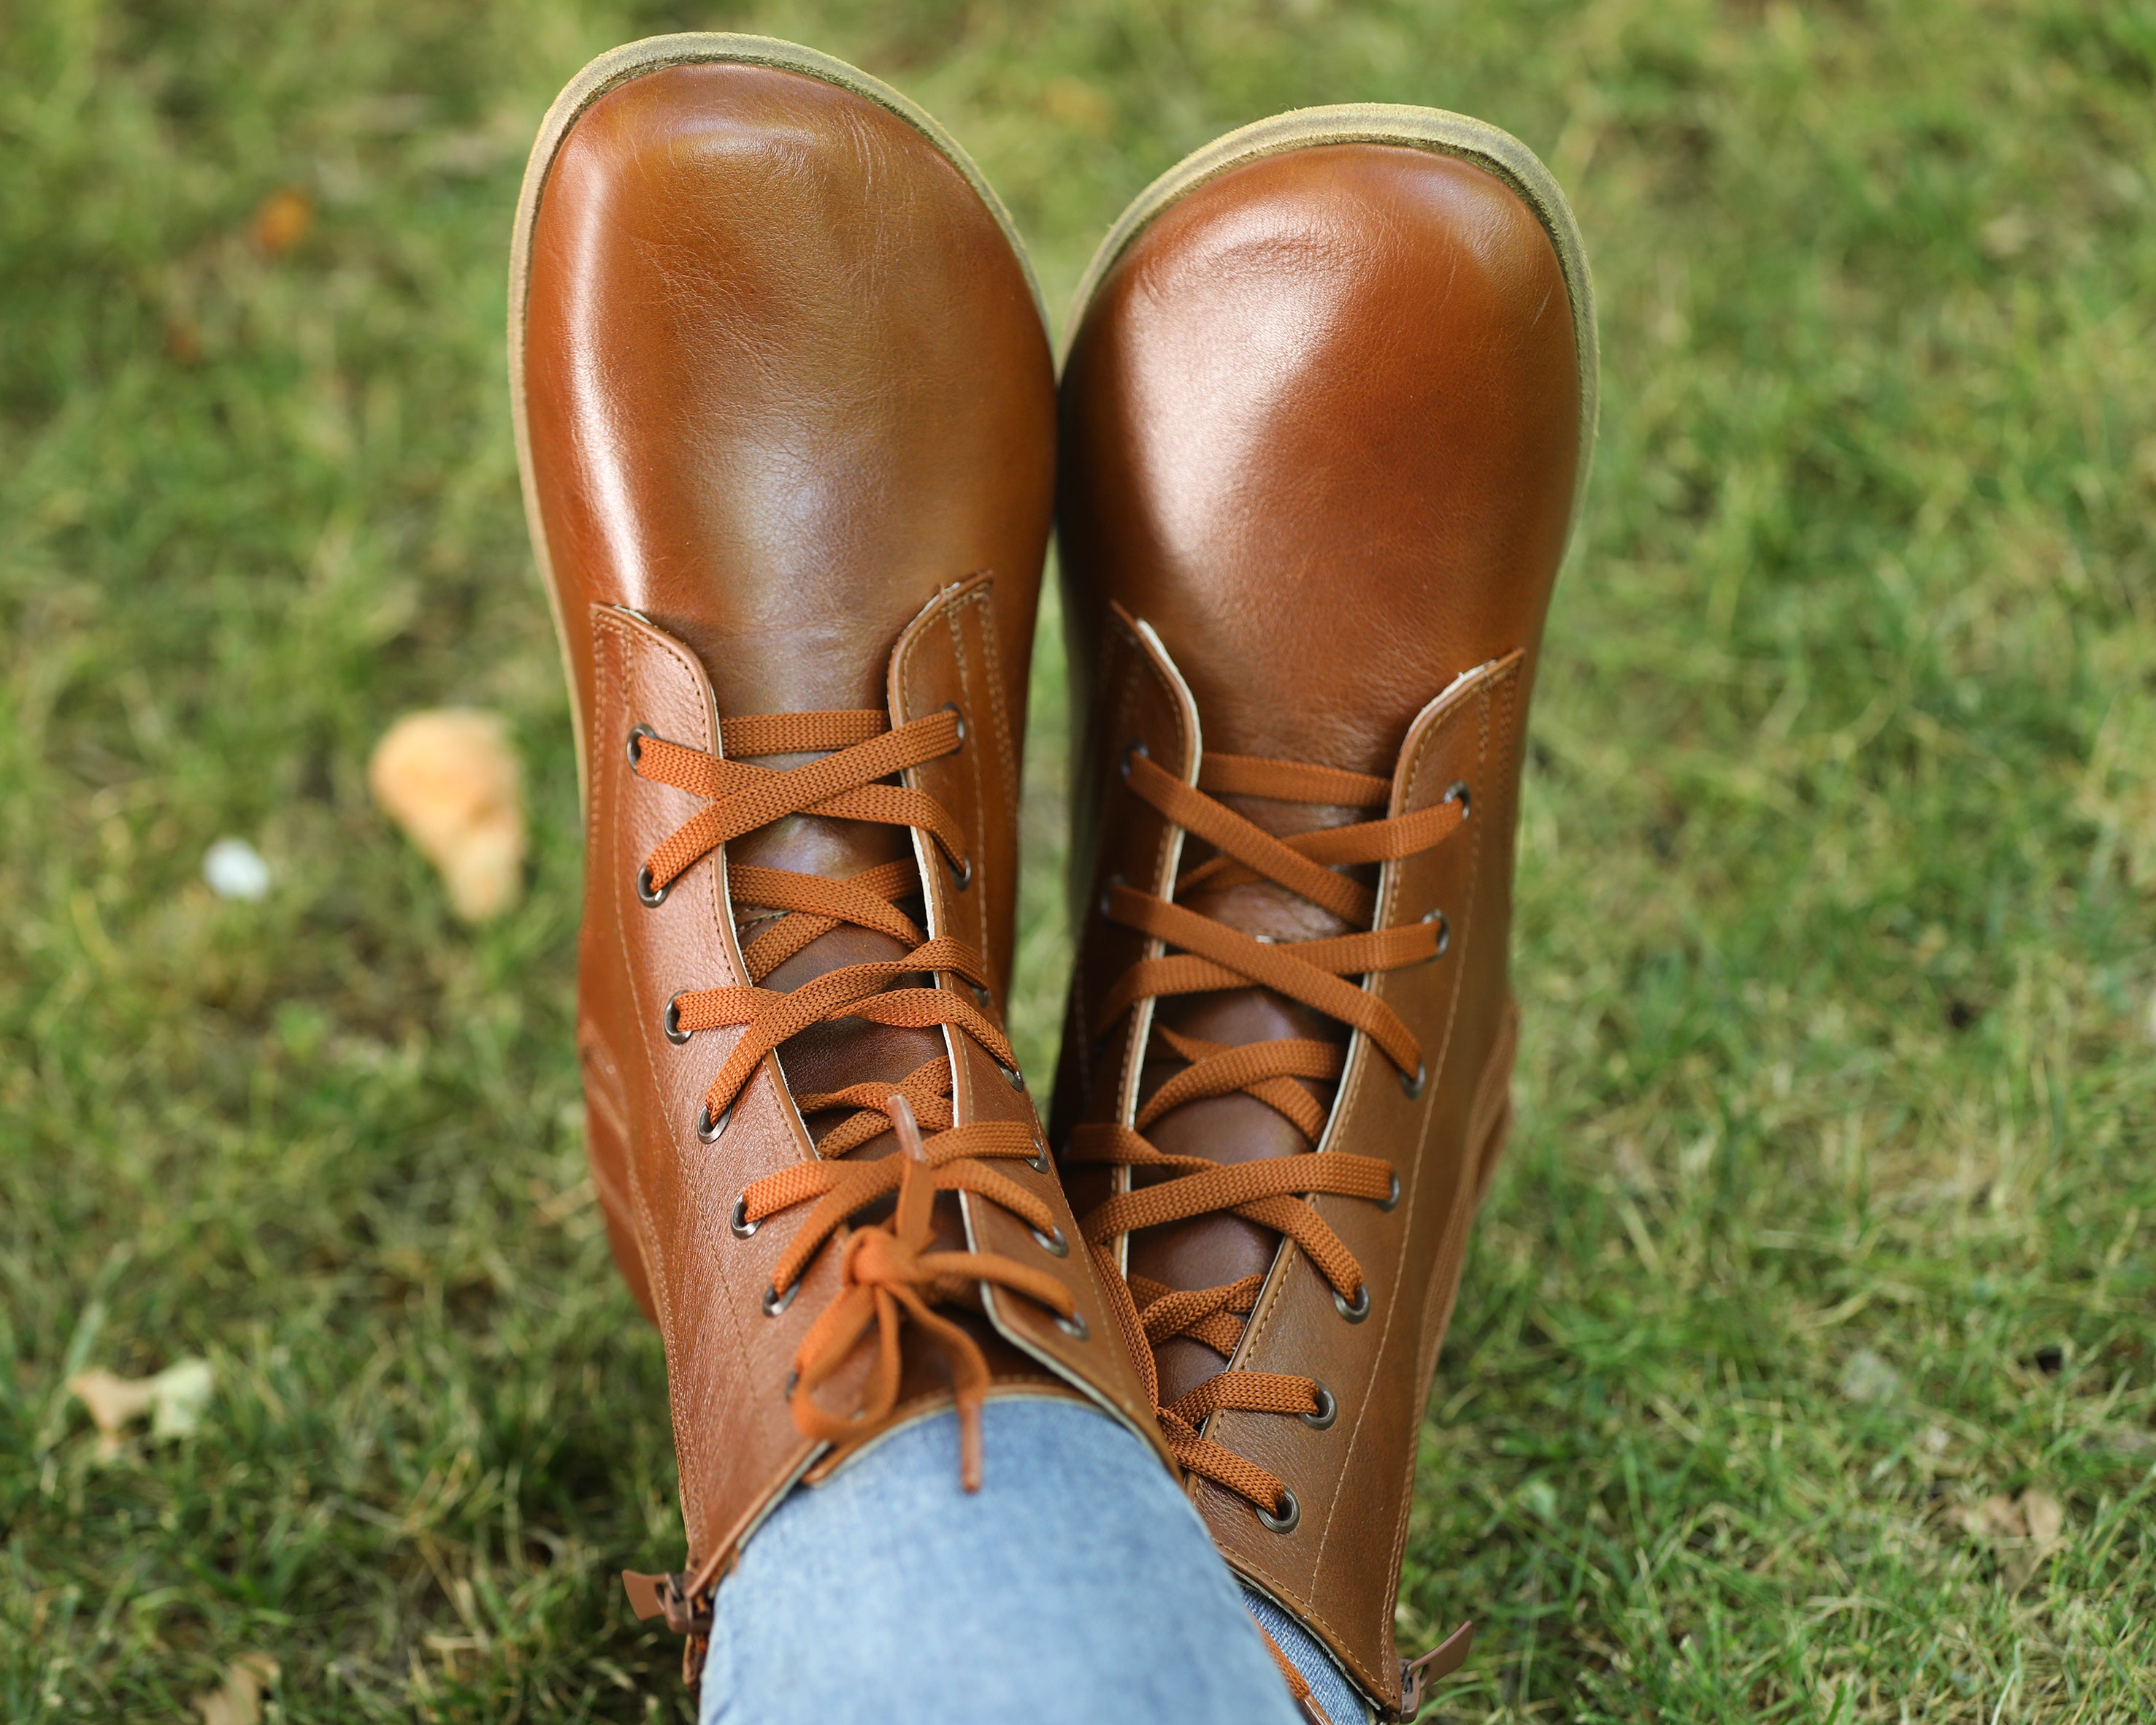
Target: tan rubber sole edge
{"x":610,"y":71}
{"x":1474,"y":141}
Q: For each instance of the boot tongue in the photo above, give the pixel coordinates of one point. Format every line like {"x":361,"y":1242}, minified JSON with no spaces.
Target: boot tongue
{"x":848,"y":1051}
{"x":1211,"y":1251}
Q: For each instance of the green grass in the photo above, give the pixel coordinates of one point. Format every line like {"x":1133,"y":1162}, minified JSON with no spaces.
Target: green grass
{"x":1832,"y":1209}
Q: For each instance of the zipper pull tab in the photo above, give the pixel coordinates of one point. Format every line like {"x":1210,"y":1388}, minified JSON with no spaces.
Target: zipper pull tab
{"x":651,"y":1596}
{"x":1417,"y":1676}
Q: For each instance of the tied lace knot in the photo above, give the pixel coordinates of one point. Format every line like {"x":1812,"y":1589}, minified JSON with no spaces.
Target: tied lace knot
{"x":889,"y":1275}
{"x":892,"y":1274}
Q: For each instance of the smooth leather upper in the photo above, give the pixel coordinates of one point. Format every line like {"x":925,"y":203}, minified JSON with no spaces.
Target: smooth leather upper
{"x":790,"y":417}
{"x":1319,"y":435}
{"x":771,"y":333}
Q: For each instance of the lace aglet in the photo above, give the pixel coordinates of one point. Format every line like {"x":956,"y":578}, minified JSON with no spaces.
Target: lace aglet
{"x":1298,"y":1686}
{"x":969,"y":1445}
{"x":906,"y":1126}
{"x":911,"y":1222}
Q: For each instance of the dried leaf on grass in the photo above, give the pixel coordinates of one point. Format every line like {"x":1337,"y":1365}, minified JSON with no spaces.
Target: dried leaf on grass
{"x":450,"y":781}
{"x":183,"y":341}
{"x":1994,"y":1518}
{"x":174,"y":1400}
{"x":238,"y":1700}
{"x":1868,"y":1378}
{"x":2046,"y":1518}
{"x":2023,"y":1532}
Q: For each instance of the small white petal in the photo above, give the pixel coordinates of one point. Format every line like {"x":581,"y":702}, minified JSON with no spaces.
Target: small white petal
{"x":234,"y":869}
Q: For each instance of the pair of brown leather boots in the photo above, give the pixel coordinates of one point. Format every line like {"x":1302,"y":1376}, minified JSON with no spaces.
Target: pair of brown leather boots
{"x":791,"y":439}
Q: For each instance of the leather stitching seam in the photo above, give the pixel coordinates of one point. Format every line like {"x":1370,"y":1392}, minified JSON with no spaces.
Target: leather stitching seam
{"x":972,"y":700}
{"x":611,"y":631}
{"x":619,"y":634}
{"x":1468,"y":925}
{"x":1260,"y":1322}
{"x":1274,"y":1296}
{"x":991,"y":661}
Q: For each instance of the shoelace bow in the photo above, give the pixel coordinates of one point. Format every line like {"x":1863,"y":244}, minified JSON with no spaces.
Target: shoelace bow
{"x":1202,"y":954}
{"x":890,"y":1274}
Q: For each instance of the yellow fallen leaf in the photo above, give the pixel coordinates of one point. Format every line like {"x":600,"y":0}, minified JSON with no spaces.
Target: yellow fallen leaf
{"x":114,"y":1403}
{"x":449,"y":779}
{"x":182,"y":1391}
{"x":238,"y":1700}
{"x":174,"y":1400}
{"x":282,"y":223}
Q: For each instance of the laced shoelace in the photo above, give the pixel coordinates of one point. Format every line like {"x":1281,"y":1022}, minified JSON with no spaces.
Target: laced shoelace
{"x":1202,"y":954}
{"x":890,"y":1276}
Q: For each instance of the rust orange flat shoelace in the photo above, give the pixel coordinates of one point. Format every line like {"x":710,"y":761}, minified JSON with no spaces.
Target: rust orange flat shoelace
{"x":891,"y":1276}
{"x":1200,"y":954}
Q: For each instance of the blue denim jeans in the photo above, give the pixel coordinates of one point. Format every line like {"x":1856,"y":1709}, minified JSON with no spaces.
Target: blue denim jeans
{"x":1077,"y":1587}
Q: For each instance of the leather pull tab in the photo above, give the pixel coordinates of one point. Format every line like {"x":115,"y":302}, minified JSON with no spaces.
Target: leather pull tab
{"x":1441,"y":1661}
{"x":643,"y":1591}
{"x":651,"y":1596}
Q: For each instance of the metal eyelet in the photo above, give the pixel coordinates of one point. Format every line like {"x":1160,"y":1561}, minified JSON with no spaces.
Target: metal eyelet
{"x":951,"y":707}
{"x":1135,"y":746}
{"x":1460,"y":794}
{"x":963,"y":875}
{"x":1328,"y":1409}
{"x":1391,"y":1199}
{"x":672,"y":1022}
{"x":1013,"y":1076}
{"x":649,"y":896}
{"x":1285,"y":1519}
{"x":708,"y":1129}
{"x":637,"y":733}
{"x":1054,"y":1242}
{"x":982,"y":997}
{"x":1038,"y":1161}
{"x":792,"y":1383}
{"x":739,"y":1222}
{"x":1444,"y":932}
{"x":1074,"y":1326}
{"x":1360,"y":1310}
{"x":1108,"y":893}
{"x":1411,"y":1088}
{"x":775,"y":1302}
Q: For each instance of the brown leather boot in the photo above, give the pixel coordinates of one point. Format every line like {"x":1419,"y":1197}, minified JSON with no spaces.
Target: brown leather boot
{"x":1326,"y":415}
{"x":785,"y":409}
